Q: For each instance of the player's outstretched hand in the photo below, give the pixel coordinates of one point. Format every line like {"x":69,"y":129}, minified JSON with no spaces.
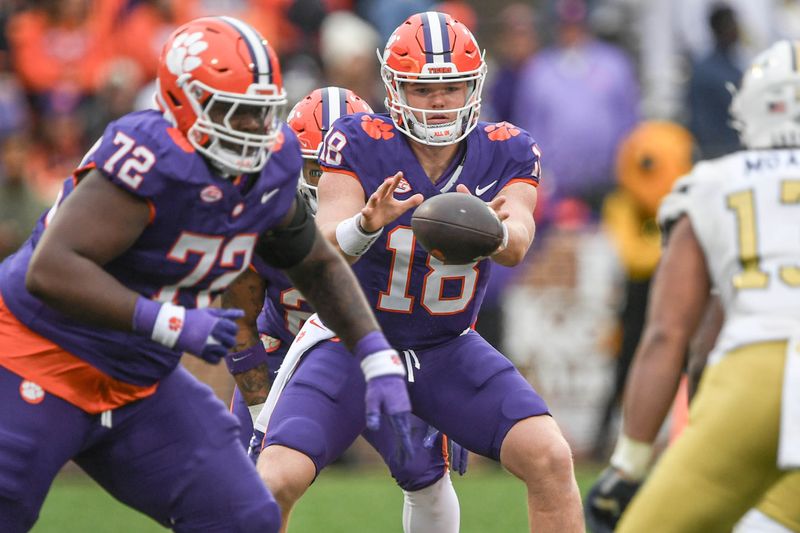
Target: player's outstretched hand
{"x":209,"y":333}
{"x":382,"y":207}
{"x":206,"y":333}
{"x":254,"y":446}
{"x":388,"y":395}
{"x":458,"y":454}
{"x":495,"y":203}
{"x":607,"y":500}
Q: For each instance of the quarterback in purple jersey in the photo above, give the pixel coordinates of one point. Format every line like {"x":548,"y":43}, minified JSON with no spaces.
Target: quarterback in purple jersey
{"x":98,"y":305}
{"x":377,"y":170}
{"x":284,"y":312}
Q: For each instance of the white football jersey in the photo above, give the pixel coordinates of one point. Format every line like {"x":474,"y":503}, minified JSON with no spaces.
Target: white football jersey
{"x":745,"y":211}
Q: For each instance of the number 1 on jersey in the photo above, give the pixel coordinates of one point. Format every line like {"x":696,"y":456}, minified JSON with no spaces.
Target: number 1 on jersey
{"x":743,"y":205}
{"x":396,"y":298}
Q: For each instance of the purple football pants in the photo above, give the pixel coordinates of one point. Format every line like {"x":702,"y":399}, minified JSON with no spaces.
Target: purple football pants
{"x":175,"y":456}
{"x":464,"y":387}
{"x":427,"y":466}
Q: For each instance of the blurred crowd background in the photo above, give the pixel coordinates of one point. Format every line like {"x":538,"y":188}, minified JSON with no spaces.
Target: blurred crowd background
{"x":621,"y":95}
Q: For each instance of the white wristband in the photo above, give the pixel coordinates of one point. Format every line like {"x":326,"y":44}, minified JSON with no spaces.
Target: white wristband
{"x":352,"y":239}
{"x":169,"y":324}
{"x":383,"y":363}
{"x":632,"y":457}
{"x":505,"y":236}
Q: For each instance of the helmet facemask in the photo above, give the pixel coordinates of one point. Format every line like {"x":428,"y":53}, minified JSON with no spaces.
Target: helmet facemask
{"x":766,"y":110}
{"x":306,"y":189}
{"x":215,"y":135}
{"x":419,"y":129}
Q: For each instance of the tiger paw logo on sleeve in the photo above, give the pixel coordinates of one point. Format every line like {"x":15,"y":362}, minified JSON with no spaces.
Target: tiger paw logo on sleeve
{"x":502,"y":131}
{"x":376,"y":128}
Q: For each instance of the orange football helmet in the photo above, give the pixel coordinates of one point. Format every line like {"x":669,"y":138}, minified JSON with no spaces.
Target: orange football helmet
{"x":215,"y":75}
{"x":432,"y":47}
{"x":312,"y":117}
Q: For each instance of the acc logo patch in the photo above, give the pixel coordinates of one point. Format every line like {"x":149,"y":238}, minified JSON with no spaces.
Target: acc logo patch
{"x":270,"y":343}
{"x":31,"y":392}
{"x":211,"y":194}
{"x":502,"y":131}
{"x":377,"y":128}
{"x":403,"y":187}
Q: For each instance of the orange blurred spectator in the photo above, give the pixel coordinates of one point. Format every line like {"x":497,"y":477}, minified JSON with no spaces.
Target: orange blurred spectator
{"x":461,"y":11}
{"x":62,"y":44}
{"x":145,"y":26}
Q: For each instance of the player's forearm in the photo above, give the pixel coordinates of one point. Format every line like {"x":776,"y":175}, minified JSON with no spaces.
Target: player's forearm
{"x":520,"y":237}
{"x":253,"y":384}
{"x":329,"y":232}
{"x":246,"y":293}
{"x":652,"y":383}
{"x":331,"y":288}
{"x":80,"y":289}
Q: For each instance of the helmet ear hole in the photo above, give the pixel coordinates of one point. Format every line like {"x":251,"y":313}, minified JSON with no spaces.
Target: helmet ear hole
{"x":175,"y":101}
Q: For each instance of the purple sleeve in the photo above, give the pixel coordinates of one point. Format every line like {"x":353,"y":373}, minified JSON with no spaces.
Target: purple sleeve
{"x":341,"y":145}
{"x":524,"y":159}
{"x":129,"y":158}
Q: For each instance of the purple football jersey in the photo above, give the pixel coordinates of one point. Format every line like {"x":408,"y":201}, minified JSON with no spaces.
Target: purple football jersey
{"x":418,"y":300}
{"x":285,"y":310}
{"x":201,"y":235}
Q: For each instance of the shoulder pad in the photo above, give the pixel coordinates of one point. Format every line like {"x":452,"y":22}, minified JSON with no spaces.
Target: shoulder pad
{"x":682,"y":198}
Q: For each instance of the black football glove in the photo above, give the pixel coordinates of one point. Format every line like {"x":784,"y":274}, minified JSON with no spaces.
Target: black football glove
{"x":607,"y":500}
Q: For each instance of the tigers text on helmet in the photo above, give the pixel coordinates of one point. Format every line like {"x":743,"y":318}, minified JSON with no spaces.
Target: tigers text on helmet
{"x":766,"y":109}
{"x":432,"y":47}
{"x":219,"y":83}
{"x":312,"y":117}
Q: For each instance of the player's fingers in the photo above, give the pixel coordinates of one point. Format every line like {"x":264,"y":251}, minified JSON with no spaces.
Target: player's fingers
{"x":389,"y":185}
{"x":503,"y":215}
{"x":462,"y":188}
{"x":497,"y":203}
{"x":410,"y":202}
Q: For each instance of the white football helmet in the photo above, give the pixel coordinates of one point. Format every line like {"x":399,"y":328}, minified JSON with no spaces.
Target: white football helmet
{"x":766,"y":109}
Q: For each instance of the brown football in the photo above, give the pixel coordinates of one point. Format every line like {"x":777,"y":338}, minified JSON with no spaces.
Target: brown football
{"x":457,"y":228}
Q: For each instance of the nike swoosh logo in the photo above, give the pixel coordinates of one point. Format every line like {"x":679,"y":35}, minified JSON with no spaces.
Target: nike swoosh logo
{"x":480,"y":190}
{"x":237,"y":359}
{"x":267,"y":195}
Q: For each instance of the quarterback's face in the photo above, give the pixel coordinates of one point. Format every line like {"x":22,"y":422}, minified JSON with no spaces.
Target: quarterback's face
{"x":435,"y":96}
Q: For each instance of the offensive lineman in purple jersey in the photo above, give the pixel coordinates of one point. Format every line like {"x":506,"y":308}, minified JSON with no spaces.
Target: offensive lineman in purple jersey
{"x":432,"y":142}
{"x":98,"y":305}
{"x":284,"y":312}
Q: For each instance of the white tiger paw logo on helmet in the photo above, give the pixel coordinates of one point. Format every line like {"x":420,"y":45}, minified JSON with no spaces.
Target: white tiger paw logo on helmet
{"x":182,"y":57}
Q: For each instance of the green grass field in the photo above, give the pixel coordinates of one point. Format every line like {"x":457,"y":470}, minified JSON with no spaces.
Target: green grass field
{"x":342,"y":500}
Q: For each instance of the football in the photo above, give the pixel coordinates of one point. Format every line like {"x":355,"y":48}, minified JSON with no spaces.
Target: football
{"x":457,"y":228}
